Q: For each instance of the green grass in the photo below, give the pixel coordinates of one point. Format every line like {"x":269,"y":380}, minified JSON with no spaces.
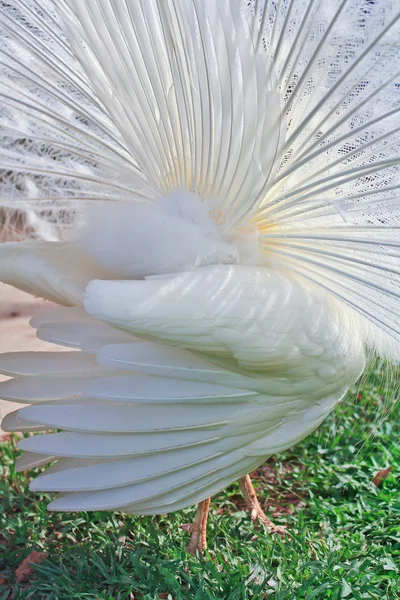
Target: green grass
{"x":344,"y":542}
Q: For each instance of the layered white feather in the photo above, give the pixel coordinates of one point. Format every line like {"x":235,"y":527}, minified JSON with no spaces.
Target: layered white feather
{"x":51,"y":270}
{"x":148,"y":427}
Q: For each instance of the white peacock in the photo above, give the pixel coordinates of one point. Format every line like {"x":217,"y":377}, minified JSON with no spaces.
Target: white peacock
{"x":222,"y":182}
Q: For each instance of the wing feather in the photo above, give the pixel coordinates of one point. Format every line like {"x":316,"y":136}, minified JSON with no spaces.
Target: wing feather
{"x":175,"y":484}
{"x":46,"y":363}
{"x":38,"y":389}
{"x":82,"y":335}
{"x":128,"y":419}
{"x":30,"y":460}
{"x":240,"y":317}
{"x":95,"y":445}
{"x":57,"y":271}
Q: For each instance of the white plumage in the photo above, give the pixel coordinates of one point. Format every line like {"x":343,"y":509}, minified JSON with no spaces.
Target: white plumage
{"x":223,"y":181}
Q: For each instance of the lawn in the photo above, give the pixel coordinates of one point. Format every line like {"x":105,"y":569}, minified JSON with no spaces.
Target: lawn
{"x":344,"y":529}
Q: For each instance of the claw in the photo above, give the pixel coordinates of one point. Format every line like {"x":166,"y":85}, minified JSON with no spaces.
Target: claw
{"x":198,"y":529}
{"x":256,"y":512}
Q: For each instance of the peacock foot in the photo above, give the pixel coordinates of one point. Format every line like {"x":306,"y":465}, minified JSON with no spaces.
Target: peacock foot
{"x":198,"y":529}
{"x":256,"y":512}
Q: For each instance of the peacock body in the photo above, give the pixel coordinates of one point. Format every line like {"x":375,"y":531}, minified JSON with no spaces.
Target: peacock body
{"x":220,"y":180}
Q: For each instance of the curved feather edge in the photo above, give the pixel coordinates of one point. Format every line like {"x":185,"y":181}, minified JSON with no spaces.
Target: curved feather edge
{"x":56,"y":271}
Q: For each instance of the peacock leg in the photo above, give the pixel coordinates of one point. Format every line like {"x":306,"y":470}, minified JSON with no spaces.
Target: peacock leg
{"x":198,"y":529}
{"x":256,"y":512}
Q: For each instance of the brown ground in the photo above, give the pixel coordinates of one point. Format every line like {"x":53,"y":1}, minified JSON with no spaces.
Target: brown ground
{"x":16,"y":309}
